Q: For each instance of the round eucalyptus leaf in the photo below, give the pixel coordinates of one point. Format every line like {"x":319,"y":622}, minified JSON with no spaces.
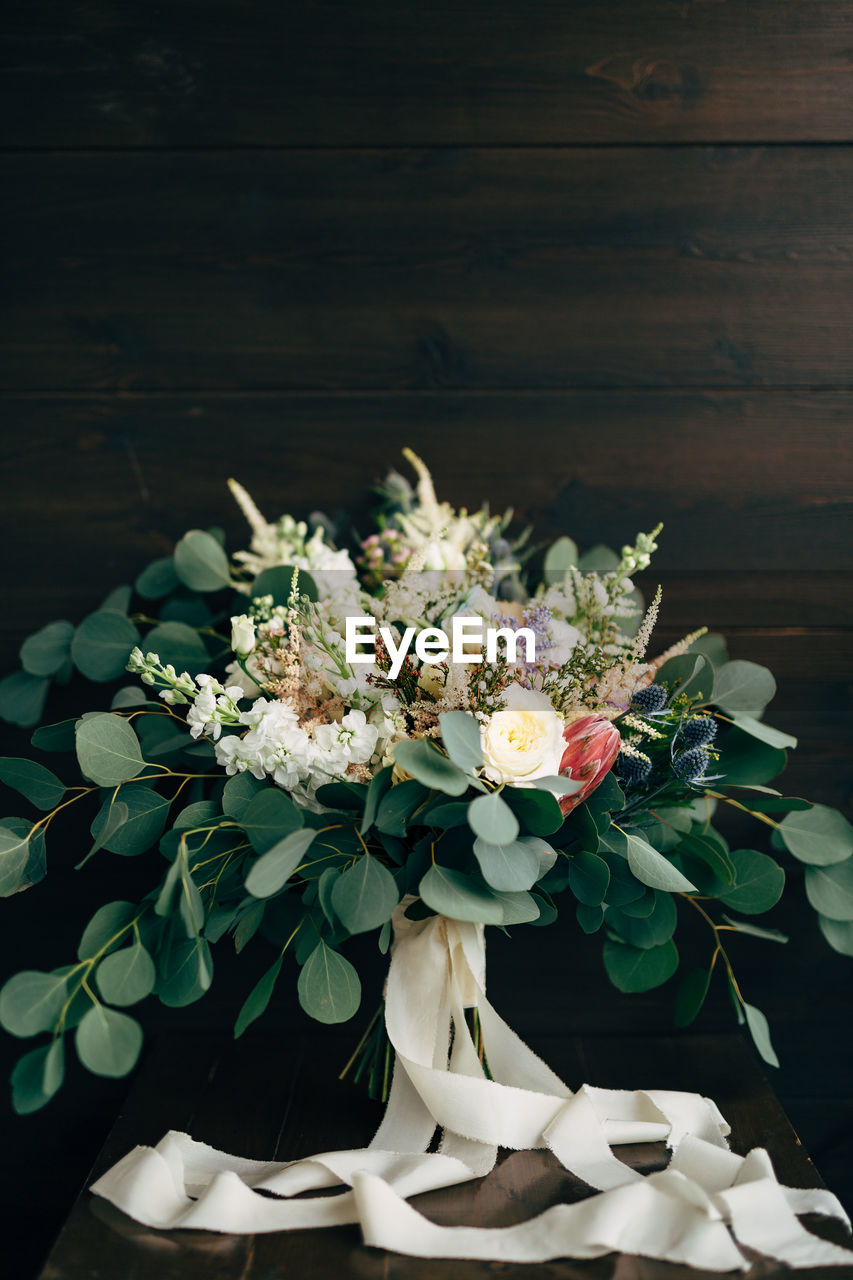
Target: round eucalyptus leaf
{"x":32,"y":1001}
{"x":48,"y":650}
{"x":108,"y":1042}
{"x":278,"y":583}
{"x":743,"y":688}
{"x":760,"y":1032}
{"x":269,"y":817}
{"x":107,"y":929}
{"x":838,"y":933}
{"x":258,"y":998}
{"x":652,"y":868}
{"x":459,"y":897}
{"x":426,"y":763}
{"x":365,"y":895}
{"x":147,"y":812}
{"x":460,"y":734}
{"x":329,"y":989}
{"x":237,"y":793}
{"x":646,"y":931}
{"x":589,"y":878}
{"x":491,"y":818}
{"x":41,"y":787}
{"x":14,"y":856}
{"x":102,"y":644}
{"x":830,"y":890}
{"x":820,"y":835}
{"x":37,"y":1077}
{"x":634,"y":969}
{"x":108,"y":750}
{"x":512,"y":867}
{"x":758,"y":885}
{"x":158,"y":579}
{"x":187,"y":972}
{"x":560,"y":557}
{"x":275,"y":867}
{"x":126,"y":976}
{"x":691,"y":996}
{"x":22,"y":698}
{"x":200,"y":562}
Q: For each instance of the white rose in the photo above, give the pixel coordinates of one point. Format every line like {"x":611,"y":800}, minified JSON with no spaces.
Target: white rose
{"x":242,"y":635}
{"x":525,"y":741}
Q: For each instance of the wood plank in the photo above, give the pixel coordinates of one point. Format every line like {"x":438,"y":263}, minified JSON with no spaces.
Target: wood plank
{"x":322,"y":73}
{"x":745,"y":482}
{"x":490,"y":268}
{"x":327,"y":1114}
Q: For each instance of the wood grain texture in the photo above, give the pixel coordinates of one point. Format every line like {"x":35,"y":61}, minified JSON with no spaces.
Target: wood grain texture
{"x":284,"y":1102}
{"x":412,"y":269}
{"x":328,"y":73}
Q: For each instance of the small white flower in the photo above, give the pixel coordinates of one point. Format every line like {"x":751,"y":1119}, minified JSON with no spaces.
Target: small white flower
{"x":242,"y":635}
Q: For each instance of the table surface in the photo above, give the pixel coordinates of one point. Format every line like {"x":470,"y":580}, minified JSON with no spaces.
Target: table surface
{"x":280,"y":1098}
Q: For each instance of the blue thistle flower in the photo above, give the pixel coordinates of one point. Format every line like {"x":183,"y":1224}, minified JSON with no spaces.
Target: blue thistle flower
{"x":699,"y":732}
{"x":652,"y":698}
{"x":632,"y":771}
{"x":690,"y":765}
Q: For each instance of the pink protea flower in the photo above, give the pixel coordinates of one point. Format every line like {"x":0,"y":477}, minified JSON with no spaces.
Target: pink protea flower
{"x":592,"y":744}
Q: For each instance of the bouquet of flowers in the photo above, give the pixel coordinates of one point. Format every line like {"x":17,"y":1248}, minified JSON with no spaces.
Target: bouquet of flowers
{"x":322,"y":739}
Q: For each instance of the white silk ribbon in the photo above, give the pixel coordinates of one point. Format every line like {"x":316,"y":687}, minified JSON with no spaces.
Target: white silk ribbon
{"x":697,"y":1211}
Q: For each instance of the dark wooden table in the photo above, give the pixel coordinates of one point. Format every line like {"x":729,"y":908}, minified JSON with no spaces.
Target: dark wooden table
{"x":279,"y":1098}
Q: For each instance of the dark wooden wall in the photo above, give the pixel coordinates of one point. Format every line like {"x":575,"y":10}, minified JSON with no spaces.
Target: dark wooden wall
{"x":593,"y":260}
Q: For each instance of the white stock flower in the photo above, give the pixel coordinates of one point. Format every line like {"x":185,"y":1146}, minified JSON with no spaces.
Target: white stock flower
{"x":523,"y":742}
{"x":337,"y":746}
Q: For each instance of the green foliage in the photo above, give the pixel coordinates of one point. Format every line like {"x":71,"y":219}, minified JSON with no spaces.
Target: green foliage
{"x":102,"y":643}
{"x":819,"y":835}
{"x":514,"y":866}
{"x":200,"y":562}
{"x":365,"y":895}
{"x":271,"y":871}
{"x":127,"y":976}
{"x":429,"y":766}
{"x":41,"y":787}
{"x":691,"y":996}
{"x":158,"y":579}
{"x":48,"y":651}
{"x":830,"y":890}
{"x":452,"y":893}
{"x":690,"y":676}
{"x":108,"y":1042}
{"x":143,"y":826}
{"x":639,"y":969}
{"x":278,"y":583}
{"x":758,"y":885}
{"x":108,"y":750}
{"x":258,"y":998}
{"x":460,"y":734}
{"x":491,"y":818}
{"x":329,"y":989}
{"x":560,"y":557}
{"x":269,"y":817}
{"x":22,"y":698}
{"x":178,"y":644}
{"x":744,"y":688}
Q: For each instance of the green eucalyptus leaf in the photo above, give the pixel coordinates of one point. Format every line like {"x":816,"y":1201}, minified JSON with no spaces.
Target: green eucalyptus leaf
{"x":108,"y":1042}
{"x":838,"y":933}
{"x":459,"y":897}
{"x":107,"y":929}
{"x":41,"y":787}
{"x":329,"y":989}
{"x":746,"y":761}
{"x":635,"y":969}
{"x":608,"y":797}
{"x":178,"y":644}
{"x":32,"y":1001}
{"x":599,"y":559}
{"x":108,"y":750}
{"x":589,"y":878}
{"x":56,"y":737}
{"x":200,"y":562}
{"x":491,"y":818}
{"x":511,"y":867}
{"x":248,"y":925}
{"x":186,"y":972}
{"x":557,"y":785}
{"x":518,"y":908}
{"x":560,"y":557}
{"x":269,"y":818}
{"x":652,"y":868}
{"x":126,"y":976}
{"x":102,"y":644}
{"x":275,"y":867}
{"x":758,"y":885}
{"x":830,"y":890}
{"x":191,"y":906}
{"x":365,"y":895}
{"x":538,"y":812}
{"x":688,"y":675}
{"x":380,"y":783}
{"x":764,"y":732}
{"x":590,"y":919}
{"x":147,"y":812}
{"x":14,"y":857}
{"x":398,"y":805}
{"x":115,"y":817}
{"x":760,"y":1032}
{"x":460,"y":733}
{"x":711,"y":853}
{"x":37,"y":1077}
{"x":691,"y":996}
{"x":22,"y":698}
{"x":420,"y":758}
{"x":238,"y":792}
{"x":446,"y":814}
{"x":158,"y":579}
{"x":754,"y":930}
{"x":652,"y":930}
{"x":48,"y":650}
{"x":820,"y":835}
{"x":713,"y":646}
{"x":743,"y":688}
{"x":258,"y":998}
{"x":278,"y":582}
